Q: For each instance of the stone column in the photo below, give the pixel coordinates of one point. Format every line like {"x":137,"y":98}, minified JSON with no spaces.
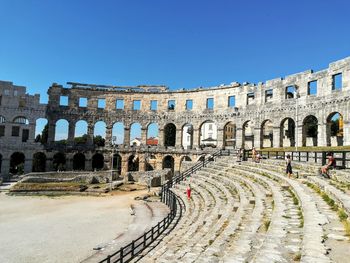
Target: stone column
{"x":127,"y":136}
{"x":51,"y":132}
{"x":28,"y":165}
{"x":69,"y":162}
{"x":108,"y":139}
{"x":220,"y":138}
{"x":142,"y":163}
{"x":299,"y":135}
{"x":161,"y":137}
{"x":276,"y":136}
{"x":31,"y":137}
{"x":346,"y":132}
{"x":49,"y":165}
{"x":143,"y":136}
{"x":195,"y":138}
{"x":88,"y":164}
{"x":90,"y":133}
{"x":321,"y":134}
{"x":124,"y":170}
{"x":71,"y":130}
{"x":239,"y":138}
{"x":257,"y":143}
{"x":178,"y":139}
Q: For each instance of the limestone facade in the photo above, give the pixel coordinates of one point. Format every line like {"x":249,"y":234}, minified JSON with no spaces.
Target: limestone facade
{"x":292,"y":111}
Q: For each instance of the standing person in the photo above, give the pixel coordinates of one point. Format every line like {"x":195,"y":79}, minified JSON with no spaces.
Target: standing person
{"x":188,"y":192}
{"x":253,"y":154}
{"x":289,"y":171}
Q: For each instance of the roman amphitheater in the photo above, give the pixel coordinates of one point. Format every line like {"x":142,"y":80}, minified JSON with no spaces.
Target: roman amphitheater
{"x":239,"y":211}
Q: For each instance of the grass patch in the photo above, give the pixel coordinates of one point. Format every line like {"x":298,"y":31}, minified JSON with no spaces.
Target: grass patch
{"x":342,"y":215}
{"x":347,"y":227}
{"x":63,"y":186}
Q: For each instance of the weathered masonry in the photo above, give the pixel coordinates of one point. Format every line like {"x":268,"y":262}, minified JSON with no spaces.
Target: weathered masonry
{"x":155,"y":127}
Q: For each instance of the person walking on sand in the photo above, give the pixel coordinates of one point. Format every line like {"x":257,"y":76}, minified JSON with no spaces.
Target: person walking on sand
{"x":188,"y":191}
{"x":289,"y":171}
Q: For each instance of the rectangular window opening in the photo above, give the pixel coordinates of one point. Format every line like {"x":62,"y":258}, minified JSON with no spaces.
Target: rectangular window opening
{"x":15,"y":131}
{"x":189,"y":104}
{"x":232,"y":101}
{"x":136,"y":105}
{"x":154,"y":105}
{"x":2,"y":131}
{"x":268,"y":95}
{"x":210,"y":103}
{"x":25,"y":135}
{"x":119,"y":104}
{"x":171,"y":104}
{"x":250,"y":98}
{"x":63,"y":100}
{"x":83,"y":102}
{"x":290,"y":92}
{"x":312,"y":87}
{"x":337,"y":82}
{"x":101,"y":103}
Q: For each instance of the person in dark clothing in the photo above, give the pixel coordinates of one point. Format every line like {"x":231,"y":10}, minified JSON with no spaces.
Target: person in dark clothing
{"x":289,"y":170}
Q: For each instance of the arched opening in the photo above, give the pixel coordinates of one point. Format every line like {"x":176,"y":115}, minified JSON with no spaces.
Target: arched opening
{"x":247,"y":135}
{"x":266,"y":140}
{"x":39,"y":162}
{"x":2,"y":119}
{"x":118,"y":133}
{"x":79,"y":162}
{"x":187,"y":136}
{"x":21,"y":120}
{"x":149,"y":167}
{"x":230,"y":135}
{"x":169,"y":134}
{"x":208,"y":134}
{"x":17,"y":163}
{"x":117,"y":163}
{"x":97,"y":161}
{"x":133,"y":163}
{"x":335,"y":132}
{"x":100,"y":134}
{"x":184,"y":159}
{"x":61,"y":131}
{"x":81,"y":132}
{"x":135,"y":134}
{"x":152,"y":134}
{"x":168,"y":162}
{"x":287,"y":133}
{"x":310,"y":124}
{"x":59,"y":162}
{"x":41,"y":130}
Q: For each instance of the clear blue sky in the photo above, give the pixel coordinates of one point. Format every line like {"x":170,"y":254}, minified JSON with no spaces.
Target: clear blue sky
{"x":182,"y":44}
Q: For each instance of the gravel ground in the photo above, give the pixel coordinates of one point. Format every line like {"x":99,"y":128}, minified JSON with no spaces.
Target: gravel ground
{"x":61,"y":229}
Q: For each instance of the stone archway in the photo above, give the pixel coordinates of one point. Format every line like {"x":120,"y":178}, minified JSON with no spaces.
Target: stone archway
{"x":168,"y":162}
{"x":117,"y":163}
{"x":266,"y":134}
{"x":287,"y":133}
{"x":334,"y":131}
{"x":187,"y":136}
{"x":97,"y":161}
{"x":79,"y":161}
{"x":39,"y":162}
{"x":230,"y":135}
{"x":247,"y":135}
{"x":133,"y":163}
{"x":310,"y":131}
{"x":17,"y":160}
{"x":169,"y":135}
{"x":59,"y":161}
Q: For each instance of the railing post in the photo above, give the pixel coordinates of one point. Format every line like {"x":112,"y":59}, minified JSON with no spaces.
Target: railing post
{"x":152,"y":238}
{"x":109,"y":259}
{"x":121,"y":255}
{"x":299,"y":155}
{"x":307,"y":156}
{"x":132,"y":248}
{"x":144,"y":240}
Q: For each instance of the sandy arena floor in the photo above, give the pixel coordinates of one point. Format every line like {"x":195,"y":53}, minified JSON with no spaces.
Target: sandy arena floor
{"x":60,"y":229}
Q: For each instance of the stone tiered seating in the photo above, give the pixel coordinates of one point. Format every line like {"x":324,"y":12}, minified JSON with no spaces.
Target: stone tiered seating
{"x":247,"y":212}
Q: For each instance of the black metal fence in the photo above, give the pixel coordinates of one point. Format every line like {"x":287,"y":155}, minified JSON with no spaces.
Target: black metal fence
{"x":168,"y":197}
{"x":342,"y":157}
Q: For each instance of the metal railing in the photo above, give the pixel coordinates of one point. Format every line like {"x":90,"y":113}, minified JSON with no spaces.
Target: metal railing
{"x":342,"y":157}
{"x":168,"y":197}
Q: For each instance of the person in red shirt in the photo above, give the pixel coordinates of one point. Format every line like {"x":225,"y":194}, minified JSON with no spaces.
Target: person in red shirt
{"x":188,"y":191}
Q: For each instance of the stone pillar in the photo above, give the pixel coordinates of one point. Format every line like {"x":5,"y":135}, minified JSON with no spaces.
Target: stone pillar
{"x":257,"y":143}
{"x":108,"y":139}
{"x":220,"y":138}
{"x":276,"y":137}
{"x":69,"y":163}
{"x":143,"y":136}
{"x":90,"y":134}
{"x":88,"y":164}
{"x":161,"y":137}
{"x":239,"y":138}
{"x":71,"y":130}
{"x":321,"y":134}
{"x":124,"y":170}
{"x":346,"y":132}
{"x":178,"y":139}
{"x":28,"y":165}
{"x":31,"y":137}
{"x":142,"y":163}
{"x":299,"y":135}
{"x":127,"y":136}
{"x":51,"y":131}
{"x":195,"y":138}
{"x":49,"y":165}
